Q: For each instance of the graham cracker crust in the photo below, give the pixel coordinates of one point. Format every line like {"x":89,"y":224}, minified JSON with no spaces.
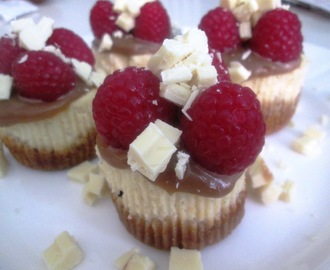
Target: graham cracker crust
{"x":191,"y":234}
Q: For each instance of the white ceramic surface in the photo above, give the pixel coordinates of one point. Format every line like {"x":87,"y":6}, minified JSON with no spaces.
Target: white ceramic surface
{"x":37,"y":206}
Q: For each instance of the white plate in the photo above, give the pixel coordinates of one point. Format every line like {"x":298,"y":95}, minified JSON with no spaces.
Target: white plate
{"x":36,"y":206}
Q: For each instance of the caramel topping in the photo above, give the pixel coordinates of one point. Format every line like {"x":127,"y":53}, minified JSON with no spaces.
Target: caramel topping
{"x":259,"y":66}
{"x":197,"y":180}
{"x":17,"y":110}
{"x":129,"y":45}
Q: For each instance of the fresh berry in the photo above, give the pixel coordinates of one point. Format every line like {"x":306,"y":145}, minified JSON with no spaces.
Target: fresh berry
{"x":218,"y":63}
{"x":71,"y":45}
{"x":227,"y":128}
{"x":42,"y":75}
{"x":221,"y":29}
{"x":126,"y":102}
{"x":153,"y":23}
{"x":103,"y":19}
{"x":9,"y":51}
{"x":277,"y":36}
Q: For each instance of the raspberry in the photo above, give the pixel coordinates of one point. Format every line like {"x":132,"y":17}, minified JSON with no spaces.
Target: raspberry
{"x":227,"y":129}
{"x":217,"y":62}
{"x":71,"y":45}
{"x":42,"y":75}
{"x":277,"y":36}
{"x":126,"y":102}
{"x":9,"y":51}
{"x":221,"y":29}
{"x":153,"y":23}
{"x":103,"y":19}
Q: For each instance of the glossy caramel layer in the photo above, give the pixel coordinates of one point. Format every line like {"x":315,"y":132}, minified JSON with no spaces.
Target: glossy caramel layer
{"x":197,"y":180}
{"x":19,"y":110}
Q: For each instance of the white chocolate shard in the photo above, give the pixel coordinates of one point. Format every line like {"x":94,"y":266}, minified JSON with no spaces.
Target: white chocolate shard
{"x":176,"y":75}
{"x":18,"y":25}
{"x":176,"y":93}
{"x":82,"y":69}
{"x":125,"y":21}
{"x":150,"y":152}
{"x":57,"y":51}
{"x":259,"y":174}
{"x":184,"y":259}
{"x":314,"y":133}
{"x":64,"y":253}
{"x":6,"y":82}
{"x":80,"y":173}
{"x":196,"y":59}
{"x":168,"y":55}
{"x":140,"y":262}
{"x":206,"y":76}
{"x":238,"y":73}
{"x":123,"y":260}
{"x":183,"y":61}
{"x":245,"y":30}
{"x":309,"y":143}
{"x":34,"y":37}
{"x":270,"y":193}
{"x":192,"y":97}
{"x":97,"y":78}
{"x":171,"y":133}
{"x":95,"y":188}
{"x":119,"y":5}
{"x":288,"y":189}
{"x":133,"y":260}
{"x":106,"y":43}
{"x":195,"y":38}
{"x":181,"y":165}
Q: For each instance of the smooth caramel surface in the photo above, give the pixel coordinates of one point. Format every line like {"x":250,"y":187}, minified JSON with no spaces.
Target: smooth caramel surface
{"x":197,"y":180}
{"x":259,"y":66}
{"x":19,"y":110}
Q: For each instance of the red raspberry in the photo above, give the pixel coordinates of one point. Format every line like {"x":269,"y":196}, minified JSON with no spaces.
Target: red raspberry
{"x":153,"y":23}
{"x":103,"y":19}
{"x":277,"y":36}
{"x":71,"y":45}
{"x":227,"y":129}
{"x":219,"y":64}
{"x":221,"y":29}
{"x":43,"y":76}
{"x":126,"y":102}
{"x":9,"y":51}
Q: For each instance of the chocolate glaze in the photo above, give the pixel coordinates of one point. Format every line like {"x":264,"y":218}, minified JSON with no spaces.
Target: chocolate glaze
{"x":19,"y":110}
{"x":259,"y":66}
{"x":197,"y":180}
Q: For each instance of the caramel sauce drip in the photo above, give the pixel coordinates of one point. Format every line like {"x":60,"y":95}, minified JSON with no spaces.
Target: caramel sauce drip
{"x":17,"y":110}
{"x":197,"y":180}
{"x":259,"y":66}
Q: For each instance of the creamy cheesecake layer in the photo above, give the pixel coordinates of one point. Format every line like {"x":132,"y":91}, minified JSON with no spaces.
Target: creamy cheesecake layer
{"x":162,"y":220}
{"x":56,"y":142}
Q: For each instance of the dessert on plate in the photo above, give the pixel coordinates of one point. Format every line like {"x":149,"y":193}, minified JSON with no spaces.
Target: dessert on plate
{"x":46,"y":91}
{"x":127,"y":33}
{"x":174,"y":144}
{"x":261,"y":44}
